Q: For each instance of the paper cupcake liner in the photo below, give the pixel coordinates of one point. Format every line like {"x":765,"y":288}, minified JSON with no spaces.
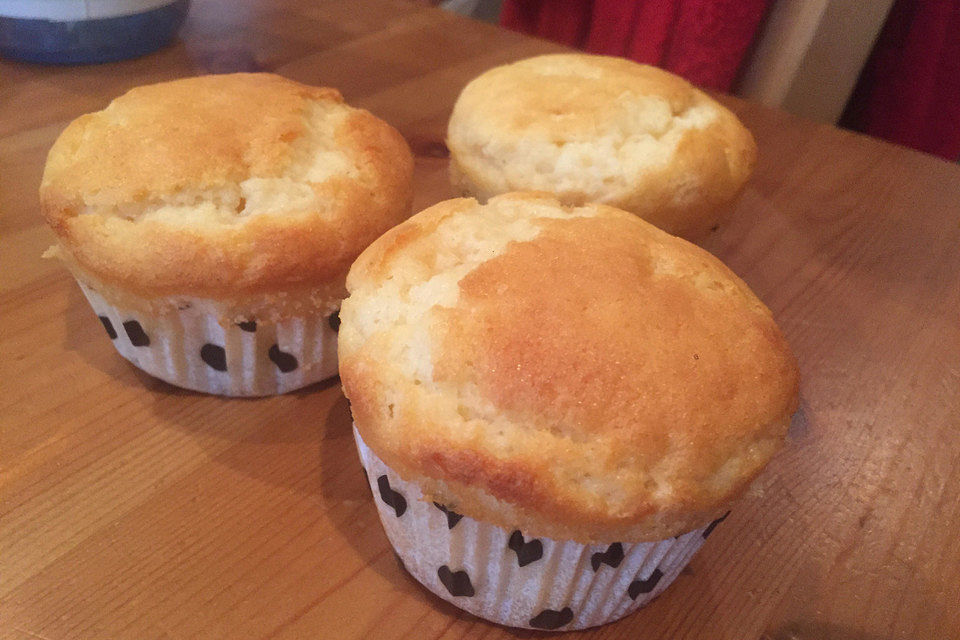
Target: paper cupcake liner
{"x":514,"y":579}
{"x":190,"y":348}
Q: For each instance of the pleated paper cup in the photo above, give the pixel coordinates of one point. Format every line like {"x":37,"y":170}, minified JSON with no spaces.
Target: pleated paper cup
{"x":514,"y":579}
{"x":191,"y":347}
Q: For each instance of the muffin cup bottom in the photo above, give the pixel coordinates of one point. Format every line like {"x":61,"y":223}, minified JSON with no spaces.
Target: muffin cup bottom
{"x":514,"y":579}
{"x":190,"y":348}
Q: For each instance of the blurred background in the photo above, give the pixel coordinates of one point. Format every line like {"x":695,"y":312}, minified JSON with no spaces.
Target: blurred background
{"x":887,"y":68}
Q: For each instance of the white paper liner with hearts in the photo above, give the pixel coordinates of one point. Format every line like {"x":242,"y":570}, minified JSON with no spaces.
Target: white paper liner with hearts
{"x":517,"y":580}
{"x":190,"y":348}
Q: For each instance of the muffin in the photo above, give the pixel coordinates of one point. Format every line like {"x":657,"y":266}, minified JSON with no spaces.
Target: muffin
{"x":555,"y":405}
{"x":211,"y":221}
{"x":601,"y":129}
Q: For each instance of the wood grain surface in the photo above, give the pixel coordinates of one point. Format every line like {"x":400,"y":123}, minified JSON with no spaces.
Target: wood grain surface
{"x":132,"y":509}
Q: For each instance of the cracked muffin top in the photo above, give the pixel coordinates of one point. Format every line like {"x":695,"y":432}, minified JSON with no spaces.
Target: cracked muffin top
{"x":601,"y":129}
{"x":224,"y":186}
{"x":570,"y":371}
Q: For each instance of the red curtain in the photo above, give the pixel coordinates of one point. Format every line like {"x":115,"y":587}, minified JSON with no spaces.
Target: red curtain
{"x":704,"y":41}
{"x":909,"y":90}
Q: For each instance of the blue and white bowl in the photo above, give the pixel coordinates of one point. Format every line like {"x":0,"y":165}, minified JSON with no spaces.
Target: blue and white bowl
{"x":86,"y":31}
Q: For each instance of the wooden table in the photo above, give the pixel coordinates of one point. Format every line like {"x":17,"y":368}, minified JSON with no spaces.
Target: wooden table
{"x":132,"y":509}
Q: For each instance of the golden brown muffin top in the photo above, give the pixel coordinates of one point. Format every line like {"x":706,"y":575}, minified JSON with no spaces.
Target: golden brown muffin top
{"x":224,"y":186}
{"x":574,"y":372}
{"x":601,"y":129}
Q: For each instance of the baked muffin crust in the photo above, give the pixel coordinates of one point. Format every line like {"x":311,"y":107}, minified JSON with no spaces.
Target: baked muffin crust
{"x":570,"y":371}
{"x":223,"y":187}
{"x":601,"y":129}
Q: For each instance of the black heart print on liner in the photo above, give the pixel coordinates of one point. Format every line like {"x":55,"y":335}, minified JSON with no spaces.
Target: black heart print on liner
{"x":136,"y":334}
{"x":527,"y":552}
{"x":452,"y":516}
{"x":105,"y":321}
{"x":549,"y":619}
{"x":644,"y":586}
{"x":713,"y":525}
{"x":390,"y":497}
{"x":248,"y":325}
{"x":286,"y":362}
{"x":215,"y":356}
{"x":456,"y":582}
{"x":613,"y":556}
